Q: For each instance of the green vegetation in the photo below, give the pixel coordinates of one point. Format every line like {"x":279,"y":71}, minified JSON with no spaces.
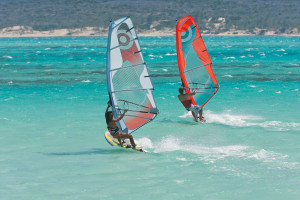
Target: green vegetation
{"x":212,"y":16}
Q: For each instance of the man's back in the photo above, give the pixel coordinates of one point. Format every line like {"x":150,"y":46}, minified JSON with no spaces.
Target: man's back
{"x":184,"y":97}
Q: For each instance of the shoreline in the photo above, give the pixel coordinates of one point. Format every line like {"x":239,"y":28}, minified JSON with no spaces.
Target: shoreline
{"x":23,"y":31}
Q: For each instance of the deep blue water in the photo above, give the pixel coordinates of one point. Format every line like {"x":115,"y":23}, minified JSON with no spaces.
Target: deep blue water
{"x":53,"y":97}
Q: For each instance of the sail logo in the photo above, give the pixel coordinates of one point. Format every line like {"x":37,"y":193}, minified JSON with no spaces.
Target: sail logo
{"x":125,"y":39}
{"x":188,"y":36}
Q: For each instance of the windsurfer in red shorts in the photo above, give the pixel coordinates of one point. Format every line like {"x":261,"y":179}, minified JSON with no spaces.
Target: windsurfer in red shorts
{"x":113,"y":128}
{"x":187,"y":103}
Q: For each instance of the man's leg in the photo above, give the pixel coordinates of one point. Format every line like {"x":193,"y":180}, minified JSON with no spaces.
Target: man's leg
{"x":201,"y":115}
{"x":127,"y":136}
{"x":120,"y":141}
{"x":194,"y":115}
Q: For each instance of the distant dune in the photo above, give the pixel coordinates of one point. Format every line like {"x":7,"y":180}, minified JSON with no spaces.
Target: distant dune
{"x":25,"y":31}
{"x":32,"y":18}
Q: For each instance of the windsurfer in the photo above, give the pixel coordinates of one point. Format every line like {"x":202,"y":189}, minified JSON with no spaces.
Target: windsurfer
{"x":187,"y":103}
{"x":113,"y":128}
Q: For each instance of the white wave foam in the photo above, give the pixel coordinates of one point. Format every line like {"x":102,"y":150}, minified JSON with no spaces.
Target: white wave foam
{"x":179,"y":181}
{"x":213,"y":154}
{"x":8,"y":99}
{"x":267,"y":156}
{"x":230,"y":57}
{"x":49,"y":70}
{"x":229,"y":119}
{"x":181,"y":159}
{"x":86,"y":81}
{"x":253,"y":86}
{"x":165,"y":70}
{"x":170,"y":54}
{"x":187,"y":115}
{"x":230,"y":76}
{"x":10,"y":57}
{"x":279,"y":92}
{"x":144,"y":142}
{"x":169,"y":144}
{"x":155,"y":56}
{"x":248,"y":121}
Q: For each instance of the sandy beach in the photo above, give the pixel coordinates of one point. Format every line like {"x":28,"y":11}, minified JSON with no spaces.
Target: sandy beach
{"x":26,"y":31}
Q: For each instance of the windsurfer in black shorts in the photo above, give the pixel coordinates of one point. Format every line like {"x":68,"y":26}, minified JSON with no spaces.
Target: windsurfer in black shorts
{"x":187,"y":103}
{"x":113,"y":128}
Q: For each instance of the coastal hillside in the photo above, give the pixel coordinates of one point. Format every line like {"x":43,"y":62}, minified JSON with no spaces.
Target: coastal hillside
{"x":213,"y":16}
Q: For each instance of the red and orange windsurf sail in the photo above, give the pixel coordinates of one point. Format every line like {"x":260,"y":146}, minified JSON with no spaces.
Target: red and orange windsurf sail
{"x":194,"y":62}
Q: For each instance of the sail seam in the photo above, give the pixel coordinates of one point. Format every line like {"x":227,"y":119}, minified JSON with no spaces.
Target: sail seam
{"x":132,"y":90}
{"x":132,"y":103}
{"x":119,"y":68}
{"x":197,"y":67}
{"x":139,"y":117}
{"x":140,"y":111}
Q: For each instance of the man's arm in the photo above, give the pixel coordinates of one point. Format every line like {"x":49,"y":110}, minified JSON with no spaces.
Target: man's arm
{"x":193,"y":93}
{"x":108,"y":106}
{"x":121,"y":117}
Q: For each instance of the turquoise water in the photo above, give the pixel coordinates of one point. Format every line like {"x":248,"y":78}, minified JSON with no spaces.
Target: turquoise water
{"x":53,"y":97}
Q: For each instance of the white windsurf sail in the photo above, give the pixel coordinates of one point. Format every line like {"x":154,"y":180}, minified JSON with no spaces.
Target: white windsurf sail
{"x":128,"y":81}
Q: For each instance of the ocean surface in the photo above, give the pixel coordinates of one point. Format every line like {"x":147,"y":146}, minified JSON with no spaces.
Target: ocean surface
{"x":53,"y":97}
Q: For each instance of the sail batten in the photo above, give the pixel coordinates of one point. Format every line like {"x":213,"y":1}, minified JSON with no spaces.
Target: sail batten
{"x":194,"y":62}
{"x":128,"y":80}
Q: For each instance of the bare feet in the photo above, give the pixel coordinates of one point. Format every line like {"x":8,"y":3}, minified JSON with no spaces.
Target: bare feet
{"x":202,"y":119}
